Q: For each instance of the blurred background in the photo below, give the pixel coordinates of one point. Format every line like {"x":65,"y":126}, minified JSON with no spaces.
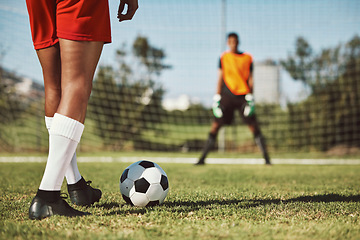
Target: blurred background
{"x":154,"y":84}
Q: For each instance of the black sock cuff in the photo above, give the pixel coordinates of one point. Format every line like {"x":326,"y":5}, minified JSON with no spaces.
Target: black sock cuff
{"x":81,"y":184}
{"x":212,"y":135}
{"x":48,"y":196}
{"x":257,"y":133}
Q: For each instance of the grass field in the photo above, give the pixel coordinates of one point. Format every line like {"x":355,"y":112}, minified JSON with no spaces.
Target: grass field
{"x":209,"y":202}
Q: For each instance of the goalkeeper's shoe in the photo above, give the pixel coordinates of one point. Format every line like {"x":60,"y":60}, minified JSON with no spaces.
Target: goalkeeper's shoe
{"x":201,"y":161}
{"x":267,"y":161}
{"x":40,"y":209}
{"x":82,"y":194}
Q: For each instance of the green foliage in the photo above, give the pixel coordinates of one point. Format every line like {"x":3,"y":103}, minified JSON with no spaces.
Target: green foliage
{"x":10,"y":105}
{"x":274,"y":122}
{"x":151,"y":57}
{"x":210,"y":202}
{"x":196,"y":114}
{"x":330,"y":116}
{"x":125,"y":110}
{"x":126,"y":102}
{"x":299,"y":65}
{"x":15,"y":110}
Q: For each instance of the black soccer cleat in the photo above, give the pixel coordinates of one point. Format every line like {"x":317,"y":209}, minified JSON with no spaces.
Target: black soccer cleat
{"x":82,"y":194}
{"x":267,"y":161}
{"x":40,"y":209}
{"x":200,"y":162}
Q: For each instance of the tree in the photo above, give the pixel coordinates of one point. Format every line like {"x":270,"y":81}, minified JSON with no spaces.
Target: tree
{"x":299,"y":65}
{"x":10,"y":105}
{"x":330,"y":116}
{"x":150,"y":57}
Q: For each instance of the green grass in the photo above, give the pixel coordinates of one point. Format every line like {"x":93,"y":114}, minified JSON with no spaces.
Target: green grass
{"x":209,"y":202}
{"x":177,"y":134}
{"x":30,"y":135}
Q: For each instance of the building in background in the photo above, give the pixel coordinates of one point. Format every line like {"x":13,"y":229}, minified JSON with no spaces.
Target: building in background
{"x":267,"y":82}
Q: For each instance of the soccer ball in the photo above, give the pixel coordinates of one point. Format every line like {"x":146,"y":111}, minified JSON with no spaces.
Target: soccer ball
{"x":143,"y":184}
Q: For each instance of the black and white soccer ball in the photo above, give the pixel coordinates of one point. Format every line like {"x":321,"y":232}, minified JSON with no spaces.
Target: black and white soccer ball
{"x":144,"y":183}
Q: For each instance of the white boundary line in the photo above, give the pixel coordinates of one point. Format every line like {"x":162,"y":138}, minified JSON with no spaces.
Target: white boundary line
{"x":252,"y":161}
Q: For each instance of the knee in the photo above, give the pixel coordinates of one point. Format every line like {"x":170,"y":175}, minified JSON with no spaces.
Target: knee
{"x":53,"y":94}
{"x":78,"y":89}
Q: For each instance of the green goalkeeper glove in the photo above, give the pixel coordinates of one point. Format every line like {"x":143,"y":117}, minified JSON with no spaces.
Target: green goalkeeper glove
{"x":216,"y":106}
{"x":249,"y":109}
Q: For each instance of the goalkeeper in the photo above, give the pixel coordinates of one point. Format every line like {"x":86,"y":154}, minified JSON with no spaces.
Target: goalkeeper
{"x":234,"y":92}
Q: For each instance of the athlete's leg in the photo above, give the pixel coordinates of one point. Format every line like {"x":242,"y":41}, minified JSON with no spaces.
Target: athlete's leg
{"x":215,"y":127}
{"x":72,"y":173}
{"x":259,"y":139}
{"x":47,"y":201}
{"x":51,"y":65}
{"x":79,"y":61}
{"x":227,"y":108}
{"x":64,"y":135}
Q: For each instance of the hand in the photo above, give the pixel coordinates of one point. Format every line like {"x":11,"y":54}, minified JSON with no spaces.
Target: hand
{"x":249,"y":109}
{"x":132,"y":7}
{"x":216,"y":106}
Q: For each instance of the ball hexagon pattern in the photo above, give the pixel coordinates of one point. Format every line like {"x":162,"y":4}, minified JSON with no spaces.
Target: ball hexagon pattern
{"x":143,"y":184}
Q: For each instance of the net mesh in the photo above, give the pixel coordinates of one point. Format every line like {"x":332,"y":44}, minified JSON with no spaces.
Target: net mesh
{"x":153,"y":89}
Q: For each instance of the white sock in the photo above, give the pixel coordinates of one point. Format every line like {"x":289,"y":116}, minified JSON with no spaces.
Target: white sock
{"x":64,"y":136}
{"x":72,"y":173}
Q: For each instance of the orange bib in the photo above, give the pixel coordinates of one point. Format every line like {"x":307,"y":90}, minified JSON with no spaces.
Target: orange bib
{"x":236,"y":71}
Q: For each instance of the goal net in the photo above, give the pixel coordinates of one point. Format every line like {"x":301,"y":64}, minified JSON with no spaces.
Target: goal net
{"x":154,"y":84}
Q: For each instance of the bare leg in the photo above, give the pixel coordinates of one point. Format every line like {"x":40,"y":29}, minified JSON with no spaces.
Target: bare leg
{"x":68,"y":70}
{"x":78,"y":64}
{"x":51,"y":66}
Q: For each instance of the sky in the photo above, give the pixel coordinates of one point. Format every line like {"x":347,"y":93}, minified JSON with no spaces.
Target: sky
{"x":191,"y":32}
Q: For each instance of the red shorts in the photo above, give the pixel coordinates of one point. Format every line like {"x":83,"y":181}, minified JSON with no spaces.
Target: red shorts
{"x":79,"y":20}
